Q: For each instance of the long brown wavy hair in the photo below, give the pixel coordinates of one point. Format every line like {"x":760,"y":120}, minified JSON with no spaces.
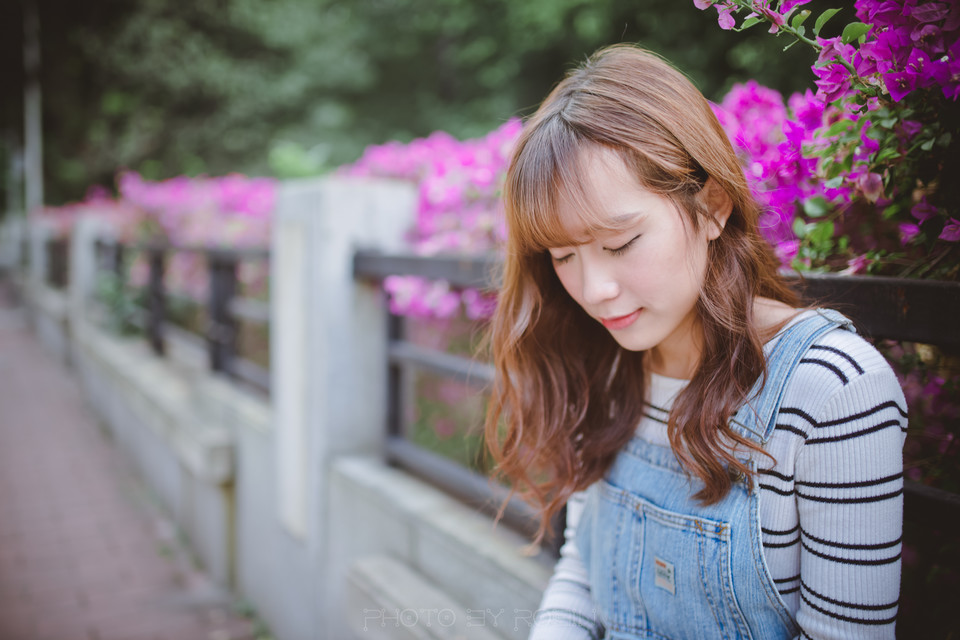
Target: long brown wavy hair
{"x":567,"y":397}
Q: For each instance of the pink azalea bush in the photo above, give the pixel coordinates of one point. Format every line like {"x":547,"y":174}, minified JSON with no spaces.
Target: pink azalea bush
{"x":458,"y":210}
{"x":232,"y":211}
{"x":224,"y":212}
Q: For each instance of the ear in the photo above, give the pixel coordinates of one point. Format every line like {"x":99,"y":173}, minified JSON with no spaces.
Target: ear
{"x":718,"y":205}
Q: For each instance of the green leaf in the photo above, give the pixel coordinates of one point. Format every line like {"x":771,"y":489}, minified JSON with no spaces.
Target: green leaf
{"x":887,"y":123}
{"x":799,"y":228}
{"x":801,"y":31}
{"x":818,"y":206}
{"x":822,"y":233}
{"x":944,"y":140}
{"x":928,"y":145}
{"x":833,"y":183}
{"x":841,"y":126}
{"x":822,"y":20}
{"x":799,"y":18}
{"x":887,"y":154}
{"x":749,"y":22}
{"x":891,"y":211}
{"x":854,"y":31}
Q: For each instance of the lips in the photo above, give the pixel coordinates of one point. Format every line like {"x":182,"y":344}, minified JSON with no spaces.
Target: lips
{"x":620,"y":322}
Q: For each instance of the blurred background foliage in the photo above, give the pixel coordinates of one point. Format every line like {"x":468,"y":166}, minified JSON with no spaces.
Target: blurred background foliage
{"x":294,"y":87}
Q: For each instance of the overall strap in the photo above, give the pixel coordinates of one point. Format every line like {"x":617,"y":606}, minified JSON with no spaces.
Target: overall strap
{"x":757,"y":418}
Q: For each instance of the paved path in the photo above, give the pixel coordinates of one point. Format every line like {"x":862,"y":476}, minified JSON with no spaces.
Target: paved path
{"x":84,"y":552}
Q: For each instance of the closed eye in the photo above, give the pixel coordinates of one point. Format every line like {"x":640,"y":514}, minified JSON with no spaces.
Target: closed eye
{"x":562,"y":259}
{"x":622,"y":249}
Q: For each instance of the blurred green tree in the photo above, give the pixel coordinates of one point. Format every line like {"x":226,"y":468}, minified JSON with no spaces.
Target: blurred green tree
{"x":292,"y":87}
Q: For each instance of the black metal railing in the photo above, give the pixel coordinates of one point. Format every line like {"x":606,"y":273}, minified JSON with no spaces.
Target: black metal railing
{"x":57,"y":273}
{"x":225,"y":310}
{"x":886,"y":308}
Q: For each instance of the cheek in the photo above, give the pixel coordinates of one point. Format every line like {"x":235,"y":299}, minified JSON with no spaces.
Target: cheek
{"x":570,"y":280}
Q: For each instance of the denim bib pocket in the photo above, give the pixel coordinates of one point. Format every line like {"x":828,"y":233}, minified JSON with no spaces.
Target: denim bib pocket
{"x":639,"y":564}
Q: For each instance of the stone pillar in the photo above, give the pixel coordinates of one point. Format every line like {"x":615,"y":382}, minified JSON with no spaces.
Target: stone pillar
{"x":11,"y":242}
{"x":83,"y":263}
{"x":38,"y":232}
{"x":328,"y":337}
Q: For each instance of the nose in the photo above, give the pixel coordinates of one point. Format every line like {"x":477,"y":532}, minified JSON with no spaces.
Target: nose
{"x":598,"y":283}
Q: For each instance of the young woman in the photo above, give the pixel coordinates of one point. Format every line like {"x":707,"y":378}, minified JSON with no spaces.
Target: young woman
{"x":731,"y":464}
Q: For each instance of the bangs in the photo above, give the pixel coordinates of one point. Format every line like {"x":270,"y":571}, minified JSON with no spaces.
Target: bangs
{"x":549,"y":200}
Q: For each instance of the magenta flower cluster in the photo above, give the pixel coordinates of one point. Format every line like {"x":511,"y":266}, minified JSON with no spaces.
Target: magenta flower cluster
{"x":458,"y":210}
{"x":914,"y":44}
{"x":231,"y":211}
{"x":227,"y":211}
{"x":911,"y":44}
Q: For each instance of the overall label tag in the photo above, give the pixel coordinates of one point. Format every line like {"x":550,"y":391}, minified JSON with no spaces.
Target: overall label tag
{"x":664,"y":575}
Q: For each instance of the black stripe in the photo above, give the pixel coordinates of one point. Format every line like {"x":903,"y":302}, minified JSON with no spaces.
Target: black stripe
{"x":789,"y":591}
{"x":854,"y":416}
{"x":782,"y":492}
{"x":774,"y":532}
{"x":781,"y":545}
{"x":771,"y":472}
{"x":875,"y":561}
{"x":845,"y":545}
{"x":782,"y":580}
{"x":799,"y":412}
{"x":843,"y":355}
{"x":653,"y":406}
{"x":863,"y":414}
{"x":857,"y":434}
{"x":828,"y":365}
{"x":850,"y":605}
{"x":647,"y":415}
{"x":850,"y":485}
{"x":863,"y":500}
{"x":847,"y":618}
{"x":792,"y":429}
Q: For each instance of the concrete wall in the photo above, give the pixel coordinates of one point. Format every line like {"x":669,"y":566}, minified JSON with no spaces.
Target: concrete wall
{"x":288,"y":500}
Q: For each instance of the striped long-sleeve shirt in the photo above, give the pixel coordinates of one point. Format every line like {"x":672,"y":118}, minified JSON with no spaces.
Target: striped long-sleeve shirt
{"x":831,"y":507}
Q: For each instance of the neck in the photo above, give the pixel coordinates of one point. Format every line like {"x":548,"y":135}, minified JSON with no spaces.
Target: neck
{"x":679,"y":355}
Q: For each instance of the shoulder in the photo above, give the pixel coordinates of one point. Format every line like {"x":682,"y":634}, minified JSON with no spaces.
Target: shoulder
{"x":842,"y":377}
{"x":842,"y":357}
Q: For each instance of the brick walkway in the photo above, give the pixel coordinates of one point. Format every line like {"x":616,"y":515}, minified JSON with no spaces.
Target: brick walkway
{"x":84,"y":553}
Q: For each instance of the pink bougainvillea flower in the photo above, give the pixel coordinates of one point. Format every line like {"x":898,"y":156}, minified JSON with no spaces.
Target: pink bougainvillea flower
{"x":833,"y":79}
{"x":786,"y":5}
{"x":900,"y":84}
{"x":929,"y":11}
{"x":908,"y":232}
{"x":871,"y":184}
{"x":911,"y":128}
{"x":923,"y":211}
{"x":725,"y":18}
{"x":857,"y":265}
{"x":951,"y":231}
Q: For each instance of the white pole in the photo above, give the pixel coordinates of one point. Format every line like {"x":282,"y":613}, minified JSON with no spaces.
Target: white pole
{"x":33,"y":126}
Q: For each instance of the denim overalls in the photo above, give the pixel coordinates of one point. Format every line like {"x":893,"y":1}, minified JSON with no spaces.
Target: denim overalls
{"x":661,"y":565}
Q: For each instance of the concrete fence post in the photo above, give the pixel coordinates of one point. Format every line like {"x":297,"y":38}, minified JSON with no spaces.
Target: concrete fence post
{"x":328,"y":339}
{"x":11,"y":242}
{"x":38,"y":233}
{"x":84,"y":264}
